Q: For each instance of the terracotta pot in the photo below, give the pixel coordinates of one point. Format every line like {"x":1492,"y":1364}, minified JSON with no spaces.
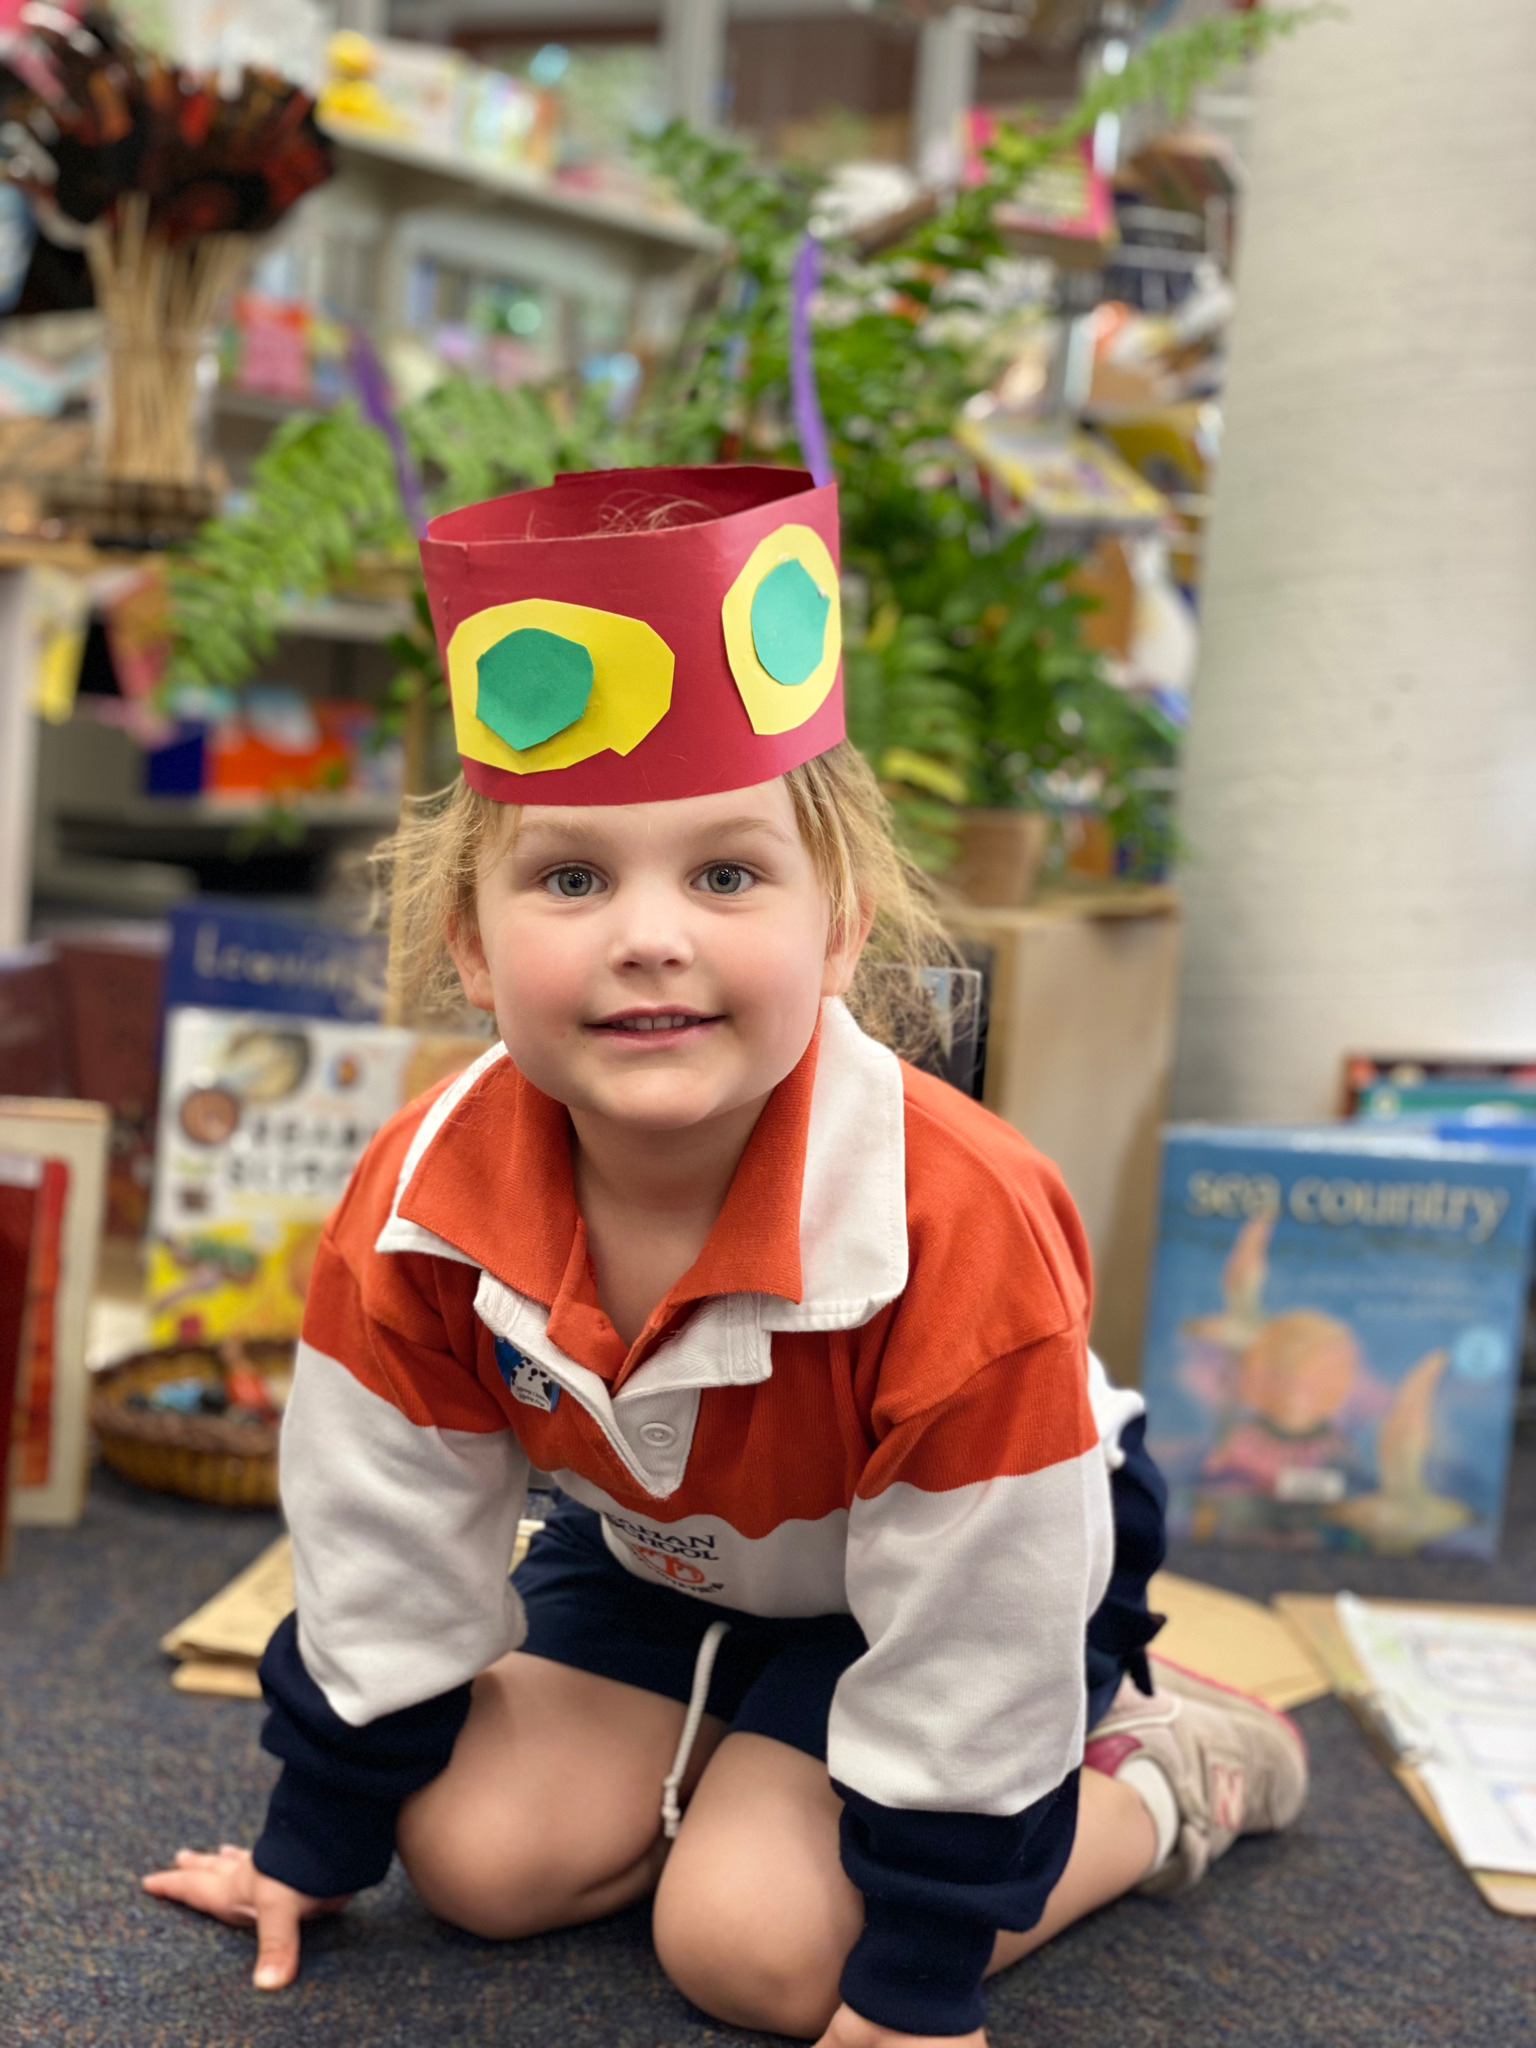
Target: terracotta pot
{"x":1001,"y":854}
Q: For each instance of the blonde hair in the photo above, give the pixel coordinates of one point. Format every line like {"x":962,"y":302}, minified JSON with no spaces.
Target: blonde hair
{"x":432,"y":867}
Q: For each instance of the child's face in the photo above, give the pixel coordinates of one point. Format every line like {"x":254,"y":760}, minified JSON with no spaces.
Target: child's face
{"x":596,"y":920}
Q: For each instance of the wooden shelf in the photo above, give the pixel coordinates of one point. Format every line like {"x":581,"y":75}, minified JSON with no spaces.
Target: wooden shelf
{"x":1090,"y":899}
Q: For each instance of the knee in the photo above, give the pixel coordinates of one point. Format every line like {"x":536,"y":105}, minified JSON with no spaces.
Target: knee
{"x":748,"y":1967}
{"x":492,"y":1880}
{"x":458,"y":1876}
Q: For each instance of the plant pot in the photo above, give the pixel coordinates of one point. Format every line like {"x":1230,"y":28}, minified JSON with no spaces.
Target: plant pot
{"x":1001,"y":854}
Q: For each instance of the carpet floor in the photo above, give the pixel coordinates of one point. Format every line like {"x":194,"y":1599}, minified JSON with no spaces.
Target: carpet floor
{"x":1356,"y":1930}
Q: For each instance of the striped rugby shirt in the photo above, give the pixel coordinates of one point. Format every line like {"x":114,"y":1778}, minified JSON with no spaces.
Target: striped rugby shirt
{"x":871,"y":1393}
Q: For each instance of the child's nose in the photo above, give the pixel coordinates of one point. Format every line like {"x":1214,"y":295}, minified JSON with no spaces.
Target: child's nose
{"x":651,"y":929}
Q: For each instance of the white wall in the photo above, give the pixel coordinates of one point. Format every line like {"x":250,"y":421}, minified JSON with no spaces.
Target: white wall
{"x":1361,"y":780}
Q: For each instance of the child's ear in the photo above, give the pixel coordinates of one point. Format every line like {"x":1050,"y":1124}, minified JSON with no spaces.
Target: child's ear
{"x":843,"y":949}
{"x":468,"y":952}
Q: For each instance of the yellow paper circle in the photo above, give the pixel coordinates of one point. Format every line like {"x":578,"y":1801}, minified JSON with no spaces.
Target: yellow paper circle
{"x":774,"y":706}
{"x":631,"y":683}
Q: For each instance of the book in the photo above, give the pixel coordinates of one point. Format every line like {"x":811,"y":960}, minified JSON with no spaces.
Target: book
{"x":66,"y":1145}
{"x":19,"y":1178}
{"x":229,"y":956}
{"x":34,"y":1054}
{"x":1381,"y":1085}
{"x":262,"y":1119}
{"x":1334,"y":1337}
{"x":111,"y":977}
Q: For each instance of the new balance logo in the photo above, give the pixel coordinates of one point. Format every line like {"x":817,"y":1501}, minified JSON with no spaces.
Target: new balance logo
{"x":1227,"y":1797}
{"x":526,"y":1382}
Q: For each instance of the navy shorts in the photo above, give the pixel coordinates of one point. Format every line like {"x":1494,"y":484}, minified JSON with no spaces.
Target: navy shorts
{"x":774,"y":1677}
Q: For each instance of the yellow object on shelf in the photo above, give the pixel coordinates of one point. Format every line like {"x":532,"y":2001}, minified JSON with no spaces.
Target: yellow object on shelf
{"x":1060,"y":475}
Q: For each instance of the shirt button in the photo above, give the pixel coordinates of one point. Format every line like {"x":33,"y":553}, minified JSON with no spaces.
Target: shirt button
{"x":659,"y":1435}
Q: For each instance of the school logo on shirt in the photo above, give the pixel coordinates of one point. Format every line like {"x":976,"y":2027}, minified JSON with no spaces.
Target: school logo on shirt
{"x":526,"y":1382}
{"x":683,"y":1561}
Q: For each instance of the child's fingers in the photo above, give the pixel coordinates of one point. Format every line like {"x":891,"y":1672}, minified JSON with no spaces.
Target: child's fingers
{"x":207,"y":1891}
{"x":277,"y":1937}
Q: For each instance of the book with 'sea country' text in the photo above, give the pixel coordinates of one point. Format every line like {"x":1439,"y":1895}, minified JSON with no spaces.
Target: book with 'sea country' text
{"x":1334,"y":1336}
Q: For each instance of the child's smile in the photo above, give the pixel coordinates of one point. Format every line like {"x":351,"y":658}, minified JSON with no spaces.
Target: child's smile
{"x":651,"y":1030}
{"x":656,"y":966}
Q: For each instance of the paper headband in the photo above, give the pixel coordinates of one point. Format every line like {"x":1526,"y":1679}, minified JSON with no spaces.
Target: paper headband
{"x":629,"y":635}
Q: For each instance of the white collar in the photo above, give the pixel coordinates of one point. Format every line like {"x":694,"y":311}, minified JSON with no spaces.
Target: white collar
{"x":853,"y":1207}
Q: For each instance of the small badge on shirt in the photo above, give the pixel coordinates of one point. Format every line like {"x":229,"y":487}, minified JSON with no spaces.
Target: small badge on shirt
{"x":526,"y":1382}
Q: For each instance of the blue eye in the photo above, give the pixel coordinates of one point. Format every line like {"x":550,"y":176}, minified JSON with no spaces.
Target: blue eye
{"x":726,"y":879}
{"x":571,"y":883}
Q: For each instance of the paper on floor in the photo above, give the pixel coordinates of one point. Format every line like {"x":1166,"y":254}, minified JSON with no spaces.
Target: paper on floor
{"x":1459,"y":1693}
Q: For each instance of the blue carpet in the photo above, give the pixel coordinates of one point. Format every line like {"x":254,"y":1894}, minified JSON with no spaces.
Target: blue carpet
{"x":1354,"y":1931}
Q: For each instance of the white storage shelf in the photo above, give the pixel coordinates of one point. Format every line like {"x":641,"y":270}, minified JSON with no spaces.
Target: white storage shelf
{"x":670,"y":228}
{"x":97,"y":840}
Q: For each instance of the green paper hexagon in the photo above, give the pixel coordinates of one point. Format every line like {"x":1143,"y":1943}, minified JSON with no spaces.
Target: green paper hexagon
{"x":531,"y":685}
{"x":789,"y":623}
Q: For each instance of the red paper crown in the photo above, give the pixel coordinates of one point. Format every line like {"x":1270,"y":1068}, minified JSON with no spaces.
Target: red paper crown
{"x":634,"y":634}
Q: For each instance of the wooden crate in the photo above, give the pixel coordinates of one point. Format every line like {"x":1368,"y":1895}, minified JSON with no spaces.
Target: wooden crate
{"x":1079,"y":1054}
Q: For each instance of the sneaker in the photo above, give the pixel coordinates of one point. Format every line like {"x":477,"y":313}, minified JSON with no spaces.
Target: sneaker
{"x":1235,"y":1766}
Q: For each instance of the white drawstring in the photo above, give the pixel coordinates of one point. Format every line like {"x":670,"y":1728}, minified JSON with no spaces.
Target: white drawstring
{"x":703,"y":1669}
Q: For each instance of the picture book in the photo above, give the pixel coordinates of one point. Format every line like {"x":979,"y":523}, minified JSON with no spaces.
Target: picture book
{"x":262,"y":1118}
{"x":1376,"y":1085}
{"x":1334,"y":1336}
{"x":1491,"y":1101}
{"x":56,"y":1154}
{"x":226,"y":955}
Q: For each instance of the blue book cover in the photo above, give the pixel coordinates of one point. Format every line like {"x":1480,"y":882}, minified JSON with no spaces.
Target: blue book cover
{"x":1334,"y":1336}
{"x":228,"y":956}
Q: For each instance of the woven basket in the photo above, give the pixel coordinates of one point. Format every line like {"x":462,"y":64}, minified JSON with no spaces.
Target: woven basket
{"x":204,"y":1457}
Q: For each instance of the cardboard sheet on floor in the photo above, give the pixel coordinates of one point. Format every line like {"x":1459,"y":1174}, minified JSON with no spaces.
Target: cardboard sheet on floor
{"x":1314,"y":1620}
{"x":1235,"y":1641}
{"x":1217,"y":1634}
{"x":219,"y":1647}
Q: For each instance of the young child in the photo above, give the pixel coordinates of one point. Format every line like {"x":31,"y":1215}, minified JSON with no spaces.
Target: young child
{"x":854,"y":1536}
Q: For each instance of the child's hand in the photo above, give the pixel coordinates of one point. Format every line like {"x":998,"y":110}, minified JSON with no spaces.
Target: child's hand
{"x":231,"y":1888}
{"x":850,"y":2030}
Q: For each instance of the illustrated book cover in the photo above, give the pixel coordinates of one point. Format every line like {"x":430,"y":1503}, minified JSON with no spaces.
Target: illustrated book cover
{"x":1334,"y":1337}
{"x":227,"y":955}
{"x":262,"y":1119}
